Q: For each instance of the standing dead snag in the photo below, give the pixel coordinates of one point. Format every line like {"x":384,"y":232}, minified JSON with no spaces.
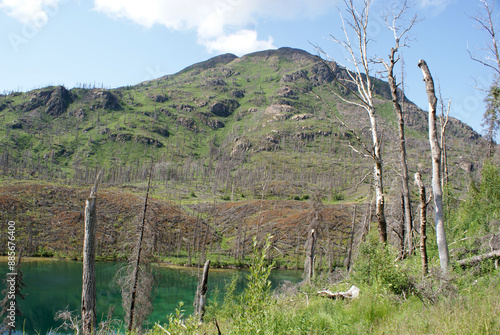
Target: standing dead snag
{"x":310,"y":257}
{"x":444,"y":256}
{"x":363,"y":94}
{"x":135,"y":323}
{"x":199,"y":300}
{"x":89,"y":315}
{"x":400,"y":41}
{"x":423,"y":223}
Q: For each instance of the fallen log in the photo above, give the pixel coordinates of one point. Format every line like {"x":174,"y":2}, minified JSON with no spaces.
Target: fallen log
{"x":479,"y":258}
{"x":352,"y":293}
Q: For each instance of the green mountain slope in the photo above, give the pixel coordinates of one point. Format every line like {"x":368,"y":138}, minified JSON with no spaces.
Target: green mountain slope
{"x":230,"y":126}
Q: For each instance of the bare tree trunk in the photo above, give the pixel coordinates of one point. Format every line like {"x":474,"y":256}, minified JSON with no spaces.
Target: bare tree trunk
{"x":444,"y":257}
{"x":309,"y":263}
{"x":379,"y":187}
{"x":89,"y":315}
{"x":199,"y":300}
{"x":135,"y":274}
{"x":423,"y":224}
{"x":349,"y":253}
{"x":399,"y":31}
{"x":363,"y":94}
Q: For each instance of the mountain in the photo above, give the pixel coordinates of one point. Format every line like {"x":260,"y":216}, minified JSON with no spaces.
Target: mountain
{"x":229,"y":122}
{"x":237,"y":139}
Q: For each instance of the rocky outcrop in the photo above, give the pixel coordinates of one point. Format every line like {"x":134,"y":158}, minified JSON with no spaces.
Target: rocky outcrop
{"x":59,"y":101}
{"x":126,"y":137}
{"x":189,"y":123}
{"x":159,"y":98}
{"x":209,"y":121}
{"x":104,"y":99}
{"x":55,"y":100}
{"x":238,"y":94}
{"x":287,"y":92}
{"x":224,"y":108}
{"x":163,"y":131}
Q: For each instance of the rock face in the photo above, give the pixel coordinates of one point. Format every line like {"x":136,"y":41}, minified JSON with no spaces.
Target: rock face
{"x":104,"y":99}
{"x":59,"y":101}
{"x":209,"y":121}
{"x":55,"y":100}
{"x":159,"y":98}
{"x":224,"y":108}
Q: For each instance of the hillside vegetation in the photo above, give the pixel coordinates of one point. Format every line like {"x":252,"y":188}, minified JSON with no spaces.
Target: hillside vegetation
{"x":248,"y":130}
{"x":245,"y":158}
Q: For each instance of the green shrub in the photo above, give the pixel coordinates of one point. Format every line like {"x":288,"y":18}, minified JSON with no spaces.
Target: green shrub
{"x":375,"y":266}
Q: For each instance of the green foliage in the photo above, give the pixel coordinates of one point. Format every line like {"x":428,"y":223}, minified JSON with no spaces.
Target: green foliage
{"x":257,"y":292}
{"x":482,"y":205}
{"x":375,"y":266}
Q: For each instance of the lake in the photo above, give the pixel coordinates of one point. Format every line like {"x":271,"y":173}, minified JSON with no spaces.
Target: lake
{"x":54,"y":285}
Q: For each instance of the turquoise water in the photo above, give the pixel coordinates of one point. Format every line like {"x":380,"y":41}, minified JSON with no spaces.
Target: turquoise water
{"x":53,"y":285}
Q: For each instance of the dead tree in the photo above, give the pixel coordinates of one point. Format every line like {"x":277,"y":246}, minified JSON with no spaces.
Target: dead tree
{"x":310,"y":257}
{"x":486,"y":22}
{"x":444,"y":256}
{"x":443,"y":122}
{"x":349,"y":253}
{"x":423,"y":223}
{"x":400,"y":40}
{"x":200,"y":298}
{"x":491,"y":118}
{"x":89,"y":315}
{"x":136,"y":268}
{"x":363,"y":96}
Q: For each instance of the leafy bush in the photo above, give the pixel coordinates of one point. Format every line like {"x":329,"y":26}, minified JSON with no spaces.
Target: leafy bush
{"x":375,"y":266}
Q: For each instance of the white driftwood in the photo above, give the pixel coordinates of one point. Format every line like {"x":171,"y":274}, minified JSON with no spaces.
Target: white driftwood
{"x":353,"y":293}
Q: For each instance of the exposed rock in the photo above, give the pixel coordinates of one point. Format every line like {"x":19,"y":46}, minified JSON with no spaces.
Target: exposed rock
{"x":238,"y":94}
{"x":163,"y":131}
{"x":78,"y":113}
{"x":159,"y":98}
{"x":240,"y":145}
{"x":122,"y":137}
{"x":59,"y":101}
{"x":301,"y":117}
{"x":104,"y":99}
{"x":17,"y":124}
{"x":466,"y":165}
{"x":184,"y":108}
{"x":290,"y":78}
{"x":148,"y":141}
{"x":188,"y":123}
{"x":287,"y":92}
{"x":56,"y":100}
{"x":279,"y":109}
{"x":215,"y":82}
{"x":224,"y":108}
{"x":321,"y":74}
{"x":209,"y":121}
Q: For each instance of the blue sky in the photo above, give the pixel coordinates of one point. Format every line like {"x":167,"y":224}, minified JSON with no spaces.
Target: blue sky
{"x":123,"y":42}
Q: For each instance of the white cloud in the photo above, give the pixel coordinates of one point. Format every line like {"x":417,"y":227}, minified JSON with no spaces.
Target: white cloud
{"x":221,"y":25}
{"x":241,"y":42}
{"x":35,"y":12}
{"x":436,"y":6}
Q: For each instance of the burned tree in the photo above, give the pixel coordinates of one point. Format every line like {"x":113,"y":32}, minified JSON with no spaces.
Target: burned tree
{"x":400,"y":40}
{"x":363,"y":94}
{"x":444,"y":256}
{"x":89,"y":251}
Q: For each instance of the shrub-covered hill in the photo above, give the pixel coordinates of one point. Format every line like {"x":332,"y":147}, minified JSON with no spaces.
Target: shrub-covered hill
{"x":229,"y":126}
{"x":49,"y":222}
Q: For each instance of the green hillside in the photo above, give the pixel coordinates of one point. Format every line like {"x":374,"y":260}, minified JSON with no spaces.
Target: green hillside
{"x":226,"y":127}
